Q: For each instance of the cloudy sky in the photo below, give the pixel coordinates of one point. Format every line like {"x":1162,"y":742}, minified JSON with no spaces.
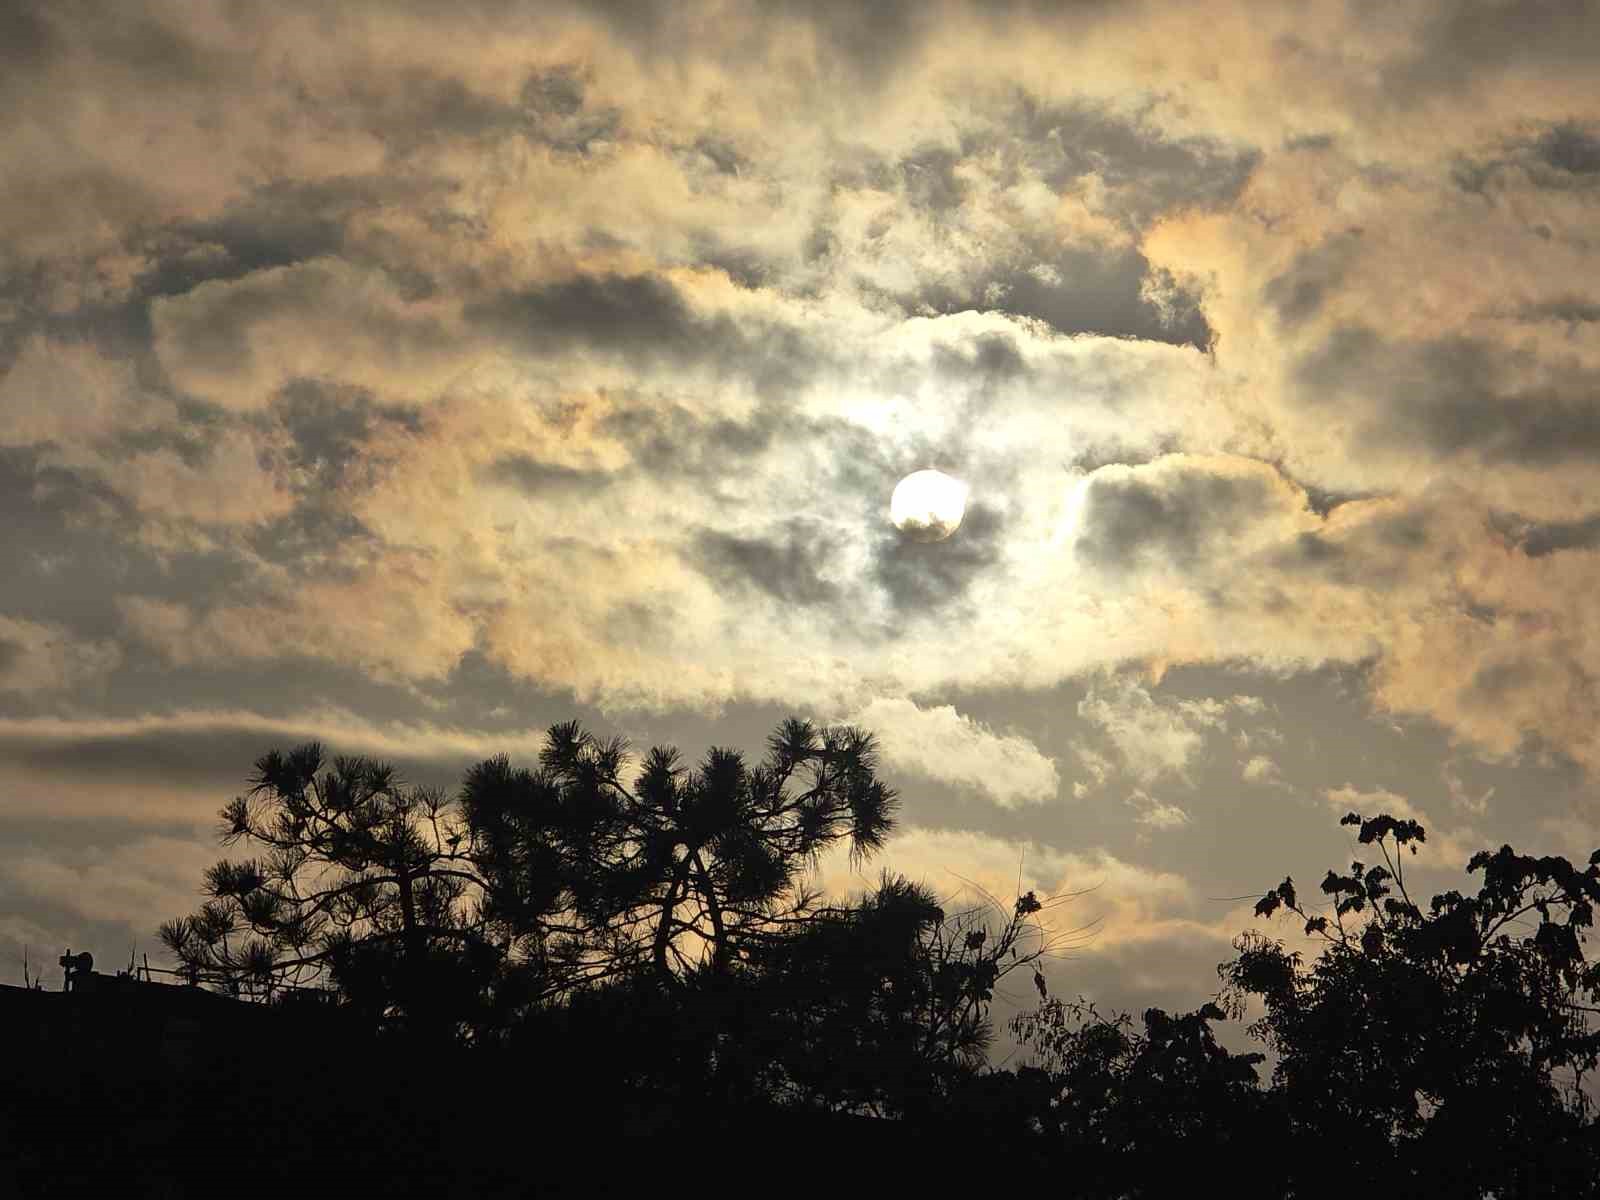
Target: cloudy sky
{"x":413,"y":376}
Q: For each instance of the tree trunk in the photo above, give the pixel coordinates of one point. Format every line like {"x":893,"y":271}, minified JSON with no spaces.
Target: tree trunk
{"x":411,"y":956}
{"x":664,"y":926}
{"x":719,"y":951}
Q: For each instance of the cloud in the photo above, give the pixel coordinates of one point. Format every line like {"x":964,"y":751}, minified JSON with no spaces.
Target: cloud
{"x":1538,"y":538}
{"x":1154,"y":736}
{"x":1155,"y":816}
{"x":1299,"y":291}
{"x":61,"y":392}
{"x":1185,"y":512}
{"x":390,"y":621}
{"x":939,"y":743}
{"x":141,"y":883}
{"x":1463,"y":799}
{"x":181,"y":765}
{"x":642,"y":316}
{"x":237,"y":342}
{"x":579,"y":350}
{"x":1564,"y":156}
{"x":790,"y":567}
{"x":43,"y":657}
{"x":1124,"y":904}
{"x":1456,"y":395}
{"x":938,"y":575}
{"x":1260,"y":769}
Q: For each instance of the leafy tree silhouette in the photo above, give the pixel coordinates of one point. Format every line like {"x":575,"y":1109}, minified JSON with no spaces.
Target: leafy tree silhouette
{"x":1438,"y":1051}
{"x":882,"y":1007}
{"x":1123,"y":1107}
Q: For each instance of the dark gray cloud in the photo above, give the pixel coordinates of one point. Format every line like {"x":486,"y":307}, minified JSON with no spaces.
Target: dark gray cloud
{"x":35,"y":36}
{"x":665,"y":438}
{"x":331,"y":428}
{"x":313,"y":540}
{"x":1107,"y":290}
{"x":1567,"y":310}
{"x":415,"y":108}
{"x":1562,"y":157}
{"x":1113,"y":450}
{"x":558,"y":91}
{"x":788,"y":565}
{"x":1311,"y":550}
{"x":1539,"y":538}
{"x":1320,"y":500}
{"x":1150,"y":172}
{"x":1177,"y":517}
{"x":1462,"y":43}
{"x":1082,"y":288}
{"x":27,"y":35}
{"x":535,"y":477}
{"x":995,"y":360}
{"x":211,"y":757}
{"x":932,"y":576}
{"x":11,"y":653}
{"x":1570,"y":148}
{"x":1376,"y":555}
{"x":67,"y":542}
{"x":1299,"y":292}
{"x":148,"y":47}
{"x":1075,"y":291}
{"x":1498,"y":681}
{"x":930,"y":180}
{"x":331,"y":458}
{"x":642,"y":317}
{"x":212,"y":333}
{"x":275,"y":224}
{"x":1454,"y":395}
{"x":864,"y":42}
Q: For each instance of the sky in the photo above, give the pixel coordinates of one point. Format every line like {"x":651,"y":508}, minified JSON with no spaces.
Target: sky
{"x":411,"y":377}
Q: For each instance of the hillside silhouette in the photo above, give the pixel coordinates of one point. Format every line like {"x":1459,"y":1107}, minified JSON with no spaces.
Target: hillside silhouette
{"x":567,"y":978}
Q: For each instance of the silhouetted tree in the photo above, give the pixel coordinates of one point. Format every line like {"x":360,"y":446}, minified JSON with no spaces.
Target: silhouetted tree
{"x":363,"y":883}
{"x":1438,"y":1051}
{"x":683,"y":867}
{"x":531,"y":884}
{"x":876,"y":1008}
{"x":1122,"y":1109}
{"x":656,"y":936}
{"x":880,"y":1007}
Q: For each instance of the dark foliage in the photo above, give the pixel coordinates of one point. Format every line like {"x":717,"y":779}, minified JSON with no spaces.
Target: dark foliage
{"x":1441,"y":1051}
{"x":557,"y":950}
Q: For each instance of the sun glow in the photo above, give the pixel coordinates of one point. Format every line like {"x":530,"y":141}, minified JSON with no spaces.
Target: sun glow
{"x":928,"y":505}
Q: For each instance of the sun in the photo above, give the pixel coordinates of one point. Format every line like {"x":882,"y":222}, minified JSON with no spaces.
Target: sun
{"x":927,"y":506}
